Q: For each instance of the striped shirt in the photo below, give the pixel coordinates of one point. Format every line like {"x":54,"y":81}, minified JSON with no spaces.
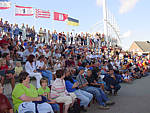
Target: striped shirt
{"x":58,"y":88}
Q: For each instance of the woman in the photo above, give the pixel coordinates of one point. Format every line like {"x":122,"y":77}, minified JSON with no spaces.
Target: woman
{"x":5,"y":106}
{"x":72,"y":86}
{"x":25,"y":94}
{"x":30,"y":67}
{"x":59,"y":92}
{"x":41,"y":67}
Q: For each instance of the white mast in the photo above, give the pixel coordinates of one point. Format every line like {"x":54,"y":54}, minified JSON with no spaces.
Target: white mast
{"x":105,"y":20}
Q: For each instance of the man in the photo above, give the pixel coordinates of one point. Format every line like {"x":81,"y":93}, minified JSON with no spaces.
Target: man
{"x":112,"y":83}
{"x":41,"y":34}
{"x":4,"y":40}
{"x":16,"y":30}
{"x":28,"y":52}
{"x":101,"y":98}
{"x":5,"y":48}
{"x":1,"y":25}
{"x":71,"y":37}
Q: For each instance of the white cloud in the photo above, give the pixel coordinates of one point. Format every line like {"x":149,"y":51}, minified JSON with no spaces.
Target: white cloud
{"x":126,"y":34}
{"x":99,"y":2}
{"x":127,"y":5}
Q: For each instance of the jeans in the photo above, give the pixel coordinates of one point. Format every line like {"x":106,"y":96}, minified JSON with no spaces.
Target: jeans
{"x":98,"y":93}
{"x":84,"y":96}
{"x":55,"y":107}
{"x":47,"y":74}
{"x":116,"y":88}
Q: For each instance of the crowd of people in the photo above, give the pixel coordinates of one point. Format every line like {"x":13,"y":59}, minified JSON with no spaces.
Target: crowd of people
{"x":66,"y":67}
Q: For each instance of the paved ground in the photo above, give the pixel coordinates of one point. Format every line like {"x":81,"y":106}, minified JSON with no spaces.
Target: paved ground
{"x":132,"y":98}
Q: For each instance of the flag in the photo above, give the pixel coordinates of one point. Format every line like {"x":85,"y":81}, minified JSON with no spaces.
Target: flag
{"x":42,"y":14}
{"x":60,"y":16}
{"x":5,"y":4}
{"x":72,"y":21}
{"x":23,"y":11}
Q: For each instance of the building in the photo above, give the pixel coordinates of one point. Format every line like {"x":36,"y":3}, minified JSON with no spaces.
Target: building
{"x":140,"y":47}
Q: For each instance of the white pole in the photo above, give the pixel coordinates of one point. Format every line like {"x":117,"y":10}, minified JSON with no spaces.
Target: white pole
{"x":105,"y":20}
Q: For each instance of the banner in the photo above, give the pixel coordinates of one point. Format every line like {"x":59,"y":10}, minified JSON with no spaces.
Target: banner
{"x":5,"y":4}
{"x":72,"y":21}
{"x":23,"y":11}
{"x":60,"y":16}
{"x":42,"y":14}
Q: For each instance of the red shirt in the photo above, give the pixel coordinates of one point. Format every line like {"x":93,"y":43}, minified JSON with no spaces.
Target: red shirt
{"x":149,"y":61}
{"x":4,"y":67}
{"x":4,"y":103}
{"x":79,"y":63}
{"x":3,"y":41}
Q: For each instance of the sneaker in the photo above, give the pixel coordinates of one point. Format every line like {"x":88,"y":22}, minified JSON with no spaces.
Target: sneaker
{"x":115,"y":93}
{"x":82,"y":108}
{"x":110,"y":102}
{"x":104,"y":107}
{"x":110,"y":93}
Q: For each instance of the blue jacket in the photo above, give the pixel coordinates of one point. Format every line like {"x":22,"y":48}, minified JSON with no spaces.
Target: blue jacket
{"x":69,"y":85}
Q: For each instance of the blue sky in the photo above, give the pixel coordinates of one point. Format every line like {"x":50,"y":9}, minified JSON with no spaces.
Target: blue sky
{"x":132,"y":16}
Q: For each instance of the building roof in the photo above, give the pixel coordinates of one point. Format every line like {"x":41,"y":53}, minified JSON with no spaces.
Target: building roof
{"x":143,"y":45}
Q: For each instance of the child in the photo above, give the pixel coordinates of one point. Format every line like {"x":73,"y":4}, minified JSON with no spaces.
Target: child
{"x":18,"y":68}
{"x":100,"y":80}
{"x":6,"y":73}
{"x":126,"y":77}
{"x":45,"y":91}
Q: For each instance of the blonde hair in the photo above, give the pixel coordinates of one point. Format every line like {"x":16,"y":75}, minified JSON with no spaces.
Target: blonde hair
{"x":0,"y":85}
{"x":1,"y":61}
{"x":18,"y":62}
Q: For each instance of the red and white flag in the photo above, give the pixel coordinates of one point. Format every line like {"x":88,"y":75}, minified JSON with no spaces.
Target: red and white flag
{"x":23,"y":11}
{"x":42,"y":13}
{"x":60,"y":16}
{"x":5,"y":4}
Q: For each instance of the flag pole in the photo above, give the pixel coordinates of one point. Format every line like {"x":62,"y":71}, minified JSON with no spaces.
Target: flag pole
{"x":53,"y":20}
{"x":34,"y":20}
{"x":14,"y":16}
{"x":105,"y":20}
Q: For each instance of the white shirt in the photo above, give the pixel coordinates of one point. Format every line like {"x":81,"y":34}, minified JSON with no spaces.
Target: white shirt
{"x":47,"y":54}
{"x":126,"y":77}
{"x":29,"y":68}
{"x":39,"y":64}
{"x":26,"y":53}
{"x":57,"y":66}
{"x":57,"y":55}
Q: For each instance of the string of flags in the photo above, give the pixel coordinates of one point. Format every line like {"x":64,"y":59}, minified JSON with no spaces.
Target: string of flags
{"x":39,"y":13}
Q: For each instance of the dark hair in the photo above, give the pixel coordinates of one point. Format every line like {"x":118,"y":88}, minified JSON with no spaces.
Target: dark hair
{"x":59,"y":73}
{"x":69,"y":78}
{"x":30,"y":58}
{"x":42,"y":80}
{"x":42,"y":56}
{"x":22,"y":76}
{"x":5,"y":55}
{"x":89,"y":70}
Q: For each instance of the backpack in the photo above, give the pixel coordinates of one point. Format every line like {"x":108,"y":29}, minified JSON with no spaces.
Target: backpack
{"x":75,"y":108}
